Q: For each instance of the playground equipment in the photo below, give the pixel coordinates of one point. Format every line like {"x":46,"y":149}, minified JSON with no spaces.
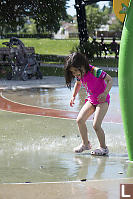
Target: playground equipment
{"x":22,"y":64}
{"x":120,"y":8}
{"x":125,"y":75}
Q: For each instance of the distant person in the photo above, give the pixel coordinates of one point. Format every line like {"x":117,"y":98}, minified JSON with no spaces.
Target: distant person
{"x":98,"y":100}
{"x":103,"y":47}
{"x":95,"y":46}
{"x":114,"y":47}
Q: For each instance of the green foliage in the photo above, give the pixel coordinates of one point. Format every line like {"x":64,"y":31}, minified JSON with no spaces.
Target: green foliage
{"x":117,"y":27}
{"x":46,"y":14}
{"x":85,"y":48}
{"x":69,"y":19}
{"x":51,"y":58}
{"x":29,"y":27}
{"x":52,"y":71}
{"x":95,"y":18}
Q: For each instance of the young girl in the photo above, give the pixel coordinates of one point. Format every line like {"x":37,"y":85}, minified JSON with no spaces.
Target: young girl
{"x":93,"y":79}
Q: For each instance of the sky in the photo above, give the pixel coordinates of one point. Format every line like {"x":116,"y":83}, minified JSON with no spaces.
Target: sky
{"x":72,"y":10}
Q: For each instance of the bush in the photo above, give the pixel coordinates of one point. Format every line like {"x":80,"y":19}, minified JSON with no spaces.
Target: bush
{"x":85,"y":48}
{"x":23,"y":35}
{"x":51,"y":58}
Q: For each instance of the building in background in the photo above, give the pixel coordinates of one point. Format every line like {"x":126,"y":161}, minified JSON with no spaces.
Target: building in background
{"x":70,"y":30}
{"x":67,"y":30}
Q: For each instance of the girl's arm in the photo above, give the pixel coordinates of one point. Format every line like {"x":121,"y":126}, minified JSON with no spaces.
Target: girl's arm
{"x":109,"y":81}
{"x":77,"y":87}
{"x":109,"y":84}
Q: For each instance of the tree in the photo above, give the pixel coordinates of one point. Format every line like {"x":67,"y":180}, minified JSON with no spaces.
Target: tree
{"x":69,"y":19}
{"x":95,"y":18}
{"x":46,"y":14}
{"x":116,"y":27}
{"x":29,"y":27}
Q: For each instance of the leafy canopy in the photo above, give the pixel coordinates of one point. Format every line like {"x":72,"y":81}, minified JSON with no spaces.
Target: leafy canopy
{"x":46,"y":13}
{"x":95,"y":18}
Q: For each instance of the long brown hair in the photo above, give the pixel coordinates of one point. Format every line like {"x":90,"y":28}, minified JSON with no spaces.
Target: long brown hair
{"x":78,"y":61}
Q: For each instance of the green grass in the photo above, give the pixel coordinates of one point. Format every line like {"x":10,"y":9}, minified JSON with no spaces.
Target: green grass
{"x":60,"y":47}
{"x":48,"y":46}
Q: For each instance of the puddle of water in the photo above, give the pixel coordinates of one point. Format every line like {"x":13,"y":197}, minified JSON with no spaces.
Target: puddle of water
{"x":38,"y":149}
{"x":33,"y":150}
{"x":59,"y":98}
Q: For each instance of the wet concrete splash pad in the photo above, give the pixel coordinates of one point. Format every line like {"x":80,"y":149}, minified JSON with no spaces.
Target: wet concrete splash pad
{"x":40,"y":149}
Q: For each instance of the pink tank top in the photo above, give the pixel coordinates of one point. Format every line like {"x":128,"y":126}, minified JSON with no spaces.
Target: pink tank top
{"x":94,"y":83}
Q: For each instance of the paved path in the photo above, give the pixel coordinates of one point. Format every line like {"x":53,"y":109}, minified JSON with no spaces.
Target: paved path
{"x":94,"y":189}
{"x":46,"y":82}
{"x":62,"y":66}
{"x":7,"y":105}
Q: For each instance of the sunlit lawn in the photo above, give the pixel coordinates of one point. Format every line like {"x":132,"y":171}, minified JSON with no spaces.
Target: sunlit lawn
{"x":48,"y":46}
{"x":60,"y":47}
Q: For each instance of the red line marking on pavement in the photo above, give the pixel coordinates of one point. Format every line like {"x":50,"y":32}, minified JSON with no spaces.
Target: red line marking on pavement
{"x":8,"y":105}
{"x":11,"y":106}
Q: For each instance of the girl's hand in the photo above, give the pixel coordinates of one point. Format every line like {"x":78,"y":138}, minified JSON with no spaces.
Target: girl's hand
{"x":72,"y":101}
{"x":102,"y":97}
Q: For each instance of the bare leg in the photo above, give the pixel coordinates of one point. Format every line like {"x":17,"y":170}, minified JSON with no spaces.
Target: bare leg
{"x":87,"y":110}
{"x":100,"y":112}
